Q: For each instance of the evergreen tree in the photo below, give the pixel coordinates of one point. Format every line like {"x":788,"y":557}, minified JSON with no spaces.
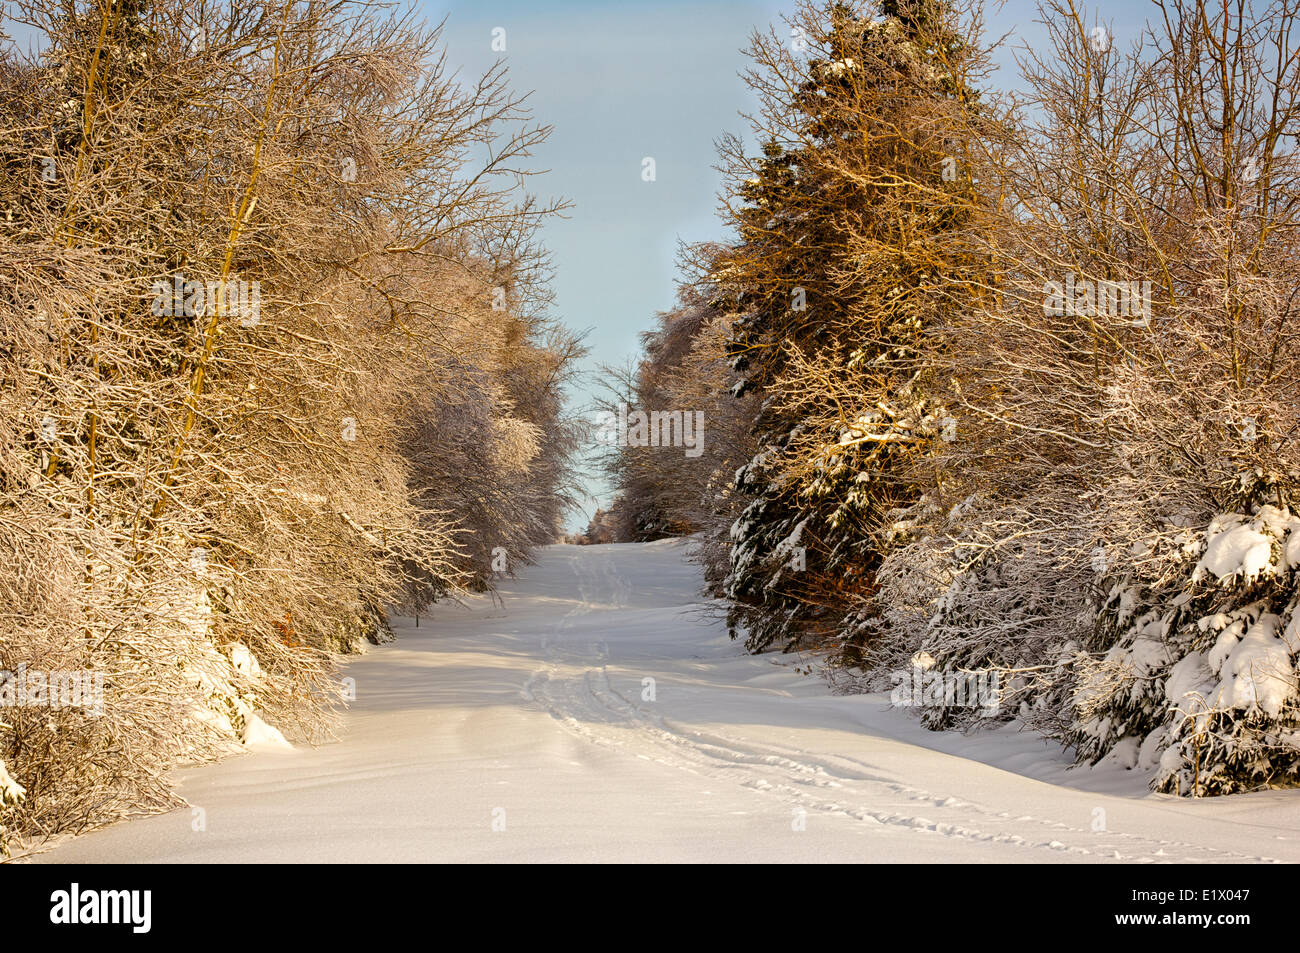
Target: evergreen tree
{"x":837,"y":276}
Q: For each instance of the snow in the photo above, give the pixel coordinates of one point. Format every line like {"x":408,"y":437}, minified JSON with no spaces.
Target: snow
{"x":790,"y":544}
{"x":1251,"y":659}
{"x":1148,"y":653}
{"x":1234,"y":550}
{"x":11,"y":792}
{"x":257,"y":733}
{"x":1124,"y":753}
{"x":1257,"y":672}
{"x":1190,"y":681}
{"x":1240,"y":548}
{"x":600,"y":713}
{"x":1152,"y":745}
{"x":1291,"y":551}
{"x":1291,"y":634}
{"x":1225,"y":644}
{"x":244,"y":661}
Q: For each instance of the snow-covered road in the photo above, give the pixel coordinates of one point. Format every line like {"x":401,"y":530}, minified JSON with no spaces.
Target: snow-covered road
{"x":601,"y":714}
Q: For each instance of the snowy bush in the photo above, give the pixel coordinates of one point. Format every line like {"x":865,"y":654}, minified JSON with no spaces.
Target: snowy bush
{"x":982,"y":586}
{"x":1200,"y":683}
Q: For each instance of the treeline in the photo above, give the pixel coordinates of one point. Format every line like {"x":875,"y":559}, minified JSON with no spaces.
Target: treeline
{"x":274,"y":357}
{"x":1006,"y":381}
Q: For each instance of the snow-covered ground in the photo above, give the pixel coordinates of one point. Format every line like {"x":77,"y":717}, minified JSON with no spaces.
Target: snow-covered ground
{"x":529,"y":731}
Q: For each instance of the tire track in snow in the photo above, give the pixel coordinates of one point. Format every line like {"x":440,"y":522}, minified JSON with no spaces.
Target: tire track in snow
{"x":591,"y":708}
{"x":585,"y":702}
{"x":839,"y":770}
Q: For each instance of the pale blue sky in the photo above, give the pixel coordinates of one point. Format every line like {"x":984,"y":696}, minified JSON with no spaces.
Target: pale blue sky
{"x":619,"y":82}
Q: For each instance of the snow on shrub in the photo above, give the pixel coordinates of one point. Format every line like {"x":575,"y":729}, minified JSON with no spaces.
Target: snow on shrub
{"x":982,"y":586}
{"x":1198,"y":680}
{"x":1180,"y":661}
